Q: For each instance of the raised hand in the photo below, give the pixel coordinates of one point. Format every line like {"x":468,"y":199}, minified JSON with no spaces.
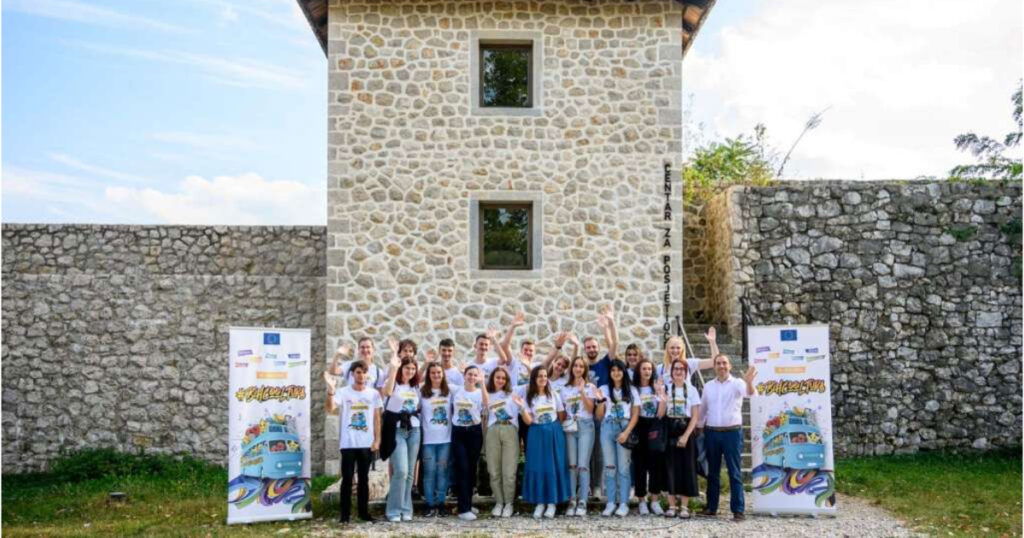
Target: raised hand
{"x":332,"y":383}
{"x":749,"y":375}
{"x":393,"y":346}
{"x":430,"y":355}
{"x":602,"y":321}
{"x":518,"y":400}
{"x":574,"y":340}
{"x":492,"y":333}
{"x":345,"y":350}
{"x":519,"y":320}
{"x":560,"y":338}
{"x":711,"y":335}
{"x":395,"y":362}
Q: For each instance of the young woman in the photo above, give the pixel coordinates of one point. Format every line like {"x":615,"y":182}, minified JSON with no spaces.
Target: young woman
{"x":436,"y":403}
{"x":683,"y":411}
{"x":648,"y":470}
{"x":467,"y":438}
{"x":402,"y":407}
{"x":619,"y":410}
{"x":558,"y":372}
{"x":359,"y":407}
{"x":502,"y":441}
{"x":546,"y":475}
{"x":633,"y":357}
{"x":579,"y":397}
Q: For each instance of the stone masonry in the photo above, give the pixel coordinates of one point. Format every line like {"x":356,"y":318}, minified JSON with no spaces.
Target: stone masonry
{"x":117,"y":335}
{"x":408,"y":152}
{"x":920,"y":282}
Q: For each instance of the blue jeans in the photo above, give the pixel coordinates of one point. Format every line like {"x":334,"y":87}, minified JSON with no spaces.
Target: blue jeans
{"x":579,"y":445}
{"x":616,"y":462}
{"x":407,"y":446}
{"x":728,"y":444}
{"x":435,"y":474}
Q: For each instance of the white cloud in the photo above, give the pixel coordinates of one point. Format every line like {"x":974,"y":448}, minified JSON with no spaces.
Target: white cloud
{"x":48,"y":187}
{"x":902,"y":79}
{"x":246,"y":199}
{"x":241,"y":72}
{"x":95,"y":171}
{"x":69,"y":10}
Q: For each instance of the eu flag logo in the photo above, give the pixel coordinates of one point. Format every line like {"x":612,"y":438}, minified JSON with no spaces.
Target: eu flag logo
{"x":788,"y":335}
{"x":271,"y":339}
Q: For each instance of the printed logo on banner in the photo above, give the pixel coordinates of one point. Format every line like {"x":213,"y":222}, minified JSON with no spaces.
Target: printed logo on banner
{"x":788,"y":351}
{"x":295,"y":355}
{"x":815,"y":358}
{"x":269,"y":356}
{"x":787,"y":335}
{"x":811,"y":350}
{"x":293,"y":364}
{"x":280,"y":364}
{"x":244,"y":352}
{"x":263,"y":374}
{"x":764,"y":349}
{"x":255,"y":358}
{"x":271,"y":339}
{"x":773,"y":355}
{"x":760,"y":361}
{"x":790,"y":369}
{"x":797,"y":357}
{"x":241,"y":365}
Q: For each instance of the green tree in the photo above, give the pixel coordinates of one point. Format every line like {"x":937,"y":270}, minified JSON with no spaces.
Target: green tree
{"x":734,"y":161}
{"x":992,"y":160}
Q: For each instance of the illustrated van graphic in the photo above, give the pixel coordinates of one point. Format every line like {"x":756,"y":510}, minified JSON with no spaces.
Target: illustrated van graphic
{"x":271,"y":449}
{"x":792,"y":440}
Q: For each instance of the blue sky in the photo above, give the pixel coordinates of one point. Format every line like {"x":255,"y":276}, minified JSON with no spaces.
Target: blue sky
{"x":214,"y":111}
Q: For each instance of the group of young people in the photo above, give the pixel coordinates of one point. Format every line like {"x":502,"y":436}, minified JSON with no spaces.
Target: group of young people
{"x":572,"y":413}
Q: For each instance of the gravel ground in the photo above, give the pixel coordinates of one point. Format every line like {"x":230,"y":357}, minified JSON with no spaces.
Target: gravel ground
{"x":854,"y":517}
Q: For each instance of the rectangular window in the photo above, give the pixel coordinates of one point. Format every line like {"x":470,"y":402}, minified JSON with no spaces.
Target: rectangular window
{"x":506,"y":236}
{"x":505,"y":75}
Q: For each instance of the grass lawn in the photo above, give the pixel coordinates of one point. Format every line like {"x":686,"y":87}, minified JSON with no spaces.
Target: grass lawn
{"x":937,"y":493}
{"x":940,"y":493}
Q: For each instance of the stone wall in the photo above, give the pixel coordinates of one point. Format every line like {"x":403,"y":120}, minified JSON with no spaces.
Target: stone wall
{"x":921,"y":284}
{"x":117,"y":335}
{"x":408,"y":152}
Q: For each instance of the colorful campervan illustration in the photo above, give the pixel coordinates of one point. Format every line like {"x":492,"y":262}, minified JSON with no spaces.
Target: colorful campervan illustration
{"x":793,"y":440}
{"x":271,"y":449}
{"x":465,"y":417}
{"x":440,"y":415}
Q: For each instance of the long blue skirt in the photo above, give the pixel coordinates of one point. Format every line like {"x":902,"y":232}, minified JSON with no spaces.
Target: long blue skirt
{"x":546,"y":473}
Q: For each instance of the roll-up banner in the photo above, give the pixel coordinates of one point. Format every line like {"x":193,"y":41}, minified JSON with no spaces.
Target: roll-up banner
{"x":268,"y":425}
{"x":791,"y":420}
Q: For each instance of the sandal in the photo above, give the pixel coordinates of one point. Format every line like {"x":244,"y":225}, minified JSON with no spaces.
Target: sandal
{"x":684,"y":513}
{"x":671,"y":512}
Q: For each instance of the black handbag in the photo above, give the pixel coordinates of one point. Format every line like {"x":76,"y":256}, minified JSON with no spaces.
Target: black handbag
{"x":632,"y":440}
{"x":657,"y":435}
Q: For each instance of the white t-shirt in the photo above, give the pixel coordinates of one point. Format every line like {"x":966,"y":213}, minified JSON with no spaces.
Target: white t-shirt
{"x":356,"y":410}
{"x":405,"y":399}
{"x":437,"y":418}
{"x":648,"y":402}
{"x":520,"y":372}
{"x":454,"y":377}
{"x":501,"y":409}
{"x":681,"y":400}
{"x":574,"y":402}
{"x":692,"y":364}
{"x":485,"y":369}
{"x":557,"y":384}
{"x":374,"y":374}
{"x":620,"y":409}
{"x":466,"y":407}
{"x":543,"y":408}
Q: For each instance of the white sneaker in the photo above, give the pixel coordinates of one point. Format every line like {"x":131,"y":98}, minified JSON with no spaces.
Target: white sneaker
{"x":467,"y":516}
{"x":571,"y":509}
{"x":642,"y":508}
{"x":550,"y":512}
{"x":538,"y":512}
{"x":623,"y":510}
{"x":474,"y":510}
{"x":581,"y":509}
{"x":608,"y":509}
{"x":406,"y":517}
{"x":497,"y":509}
{"x":507,"y":511}
{"x":656,"y":508}
{"x":395,"y":519}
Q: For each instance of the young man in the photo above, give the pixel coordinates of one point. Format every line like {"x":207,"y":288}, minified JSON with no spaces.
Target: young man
{"x":452,"y":371}
{"x":342,"y":364}
{"x":359,"y":408}
{"x":481,"y":347}
{"x":722,"y":403}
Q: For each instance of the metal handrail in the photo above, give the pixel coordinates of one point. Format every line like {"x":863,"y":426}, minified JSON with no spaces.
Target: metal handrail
{"x":689,"y":352}
{"x":745,"y":321}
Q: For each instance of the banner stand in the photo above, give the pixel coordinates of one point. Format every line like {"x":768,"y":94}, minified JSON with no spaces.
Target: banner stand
{"x":793,"y":469}
{"x":268,"y":425}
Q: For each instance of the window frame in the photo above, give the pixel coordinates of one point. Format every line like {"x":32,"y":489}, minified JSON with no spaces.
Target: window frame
{"x":483,"y":44}
{"x":517,"y":38}
{"x":485,"y":205}
{"x":476,"y":199}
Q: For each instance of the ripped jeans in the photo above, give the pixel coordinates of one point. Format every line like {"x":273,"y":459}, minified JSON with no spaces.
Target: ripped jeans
{"x":579,"y":445}
{"x":617,"y":465}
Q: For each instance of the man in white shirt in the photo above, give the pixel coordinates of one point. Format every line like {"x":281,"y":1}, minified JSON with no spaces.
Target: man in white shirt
{"x":722,"y":403}
{"x":342,"y":362}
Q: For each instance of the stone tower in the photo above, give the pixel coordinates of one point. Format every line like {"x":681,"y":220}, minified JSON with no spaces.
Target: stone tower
{"x":486,"y":157}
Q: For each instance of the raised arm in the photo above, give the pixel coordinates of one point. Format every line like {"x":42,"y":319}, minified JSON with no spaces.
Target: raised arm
{"x":607,"y":327}
{"x":330,"y":407}
{"x":748,"y":378}
{"x":506,"y":343}
{"x":396,"y":364}
{"x":613,"y":330}
{"x":712,"y":337}
{"x":559,"y":342}
{"x":503,"y":352}
{"x":343,"y":353}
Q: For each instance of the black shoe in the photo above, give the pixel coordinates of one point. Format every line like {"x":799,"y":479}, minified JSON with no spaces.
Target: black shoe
{"x":367,"y":518}
{"x":343,"y":520}
{"x":707,"y":513}
{"x":738,"y":516}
